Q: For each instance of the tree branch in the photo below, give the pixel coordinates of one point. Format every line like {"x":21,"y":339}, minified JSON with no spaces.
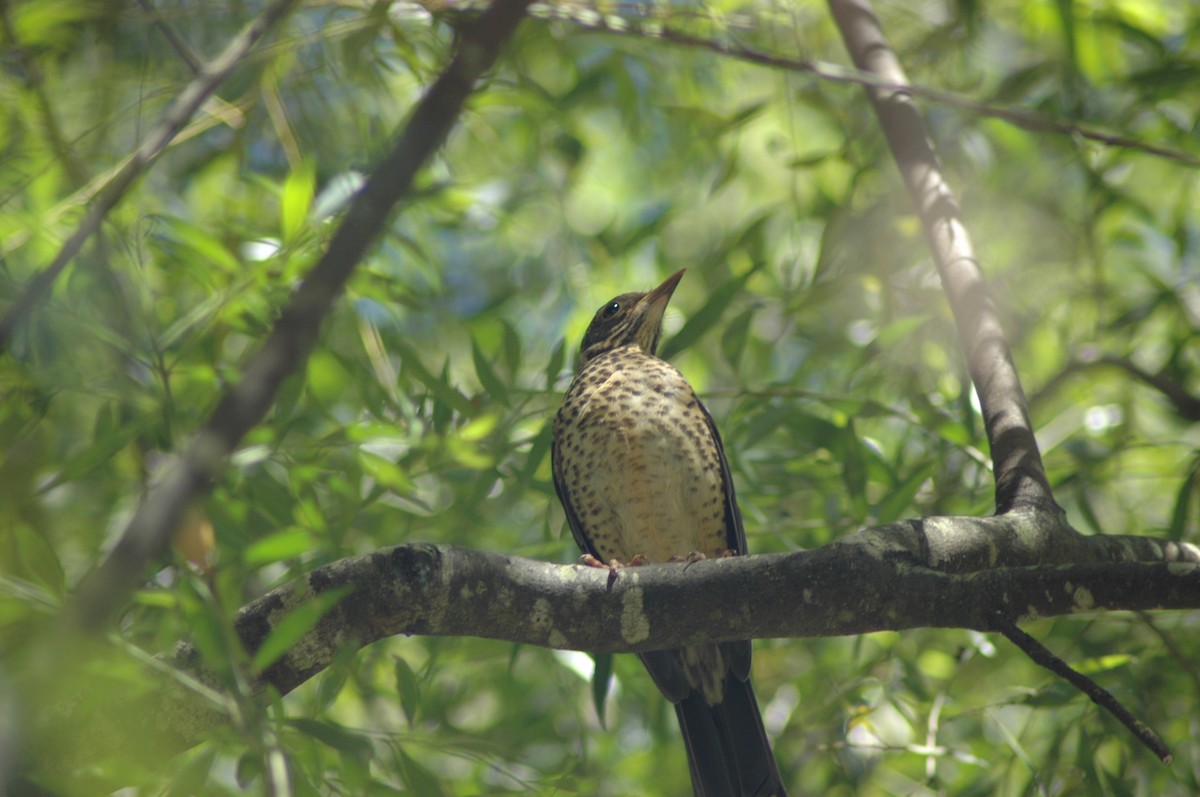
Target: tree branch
{"x":1020,"y":476}
{"x":194,"y":64}
{"x":173,"y":120}
{"x":1100,"y":696}
{"x":295,"y":333}
{"x":652,"y":28}
{"x":871,"y":581}
{"x":1186,"y":405}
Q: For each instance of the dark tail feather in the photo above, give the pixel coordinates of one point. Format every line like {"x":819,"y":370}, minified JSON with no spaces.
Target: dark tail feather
{"x":728,"y":751}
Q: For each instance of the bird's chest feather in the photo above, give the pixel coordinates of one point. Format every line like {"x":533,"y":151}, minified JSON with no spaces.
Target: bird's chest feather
{"x":638,"y":461}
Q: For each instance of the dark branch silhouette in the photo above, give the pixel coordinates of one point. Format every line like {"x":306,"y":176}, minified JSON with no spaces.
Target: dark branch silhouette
{"x":1101,"y":697}
{"x":295,"y":333}
{"x":1020,"y":476}
{"x":884,"y":578}
{"x":1185,"y":404}
{"x":1021,"y":482}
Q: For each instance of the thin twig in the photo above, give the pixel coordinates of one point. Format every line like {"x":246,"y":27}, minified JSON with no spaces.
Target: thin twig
{"x":1018,"y":117}
{"x":173,"y":120}
{"x":1185,"y":404}
{"x":174,"y":39}
{"x":1043,"y":657}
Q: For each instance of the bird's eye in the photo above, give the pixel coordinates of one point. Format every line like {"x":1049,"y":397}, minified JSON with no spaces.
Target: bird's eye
{"x":612,"y":309}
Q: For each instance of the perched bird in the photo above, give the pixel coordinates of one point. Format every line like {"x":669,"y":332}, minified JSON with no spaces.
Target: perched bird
{"x":642,"y":475}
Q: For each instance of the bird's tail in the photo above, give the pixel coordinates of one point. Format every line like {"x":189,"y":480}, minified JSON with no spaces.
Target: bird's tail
{"x":728,"y":751}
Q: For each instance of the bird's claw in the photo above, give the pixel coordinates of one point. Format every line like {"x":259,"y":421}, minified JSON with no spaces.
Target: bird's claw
{"x":612,"y":565}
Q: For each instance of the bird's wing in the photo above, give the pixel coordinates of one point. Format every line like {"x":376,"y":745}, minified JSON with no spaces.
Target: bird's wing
{"x":735,"y":534}
{"x":560,"y":487}
{"x":737,"y":654}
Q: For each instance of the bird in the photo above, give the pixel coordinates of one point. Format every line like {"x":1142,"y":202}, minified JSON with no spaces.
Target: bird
{"x":642,"y":476}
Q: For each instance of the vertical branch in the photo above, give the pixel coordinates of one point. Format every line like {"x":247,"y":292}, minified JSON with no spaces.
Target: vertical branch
{"x":295,"y":333}
{"x":1020,"y":476}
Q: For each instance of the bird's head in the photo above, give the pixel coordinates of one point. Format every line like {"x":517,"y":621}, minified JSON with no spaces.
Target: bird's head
{"x":631,"y":318}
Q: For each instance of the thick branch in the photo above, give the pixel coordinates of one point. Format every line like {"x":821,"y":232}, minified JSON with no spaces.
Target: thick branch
{"x":866,"y":583}
{"x":295,"y":333}
{"x":1020,"y":477}
{"x":877,"y":579}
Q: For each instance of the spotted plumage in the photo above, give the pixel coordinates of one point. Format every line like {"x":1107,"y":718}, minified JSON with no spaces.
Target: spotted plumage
{"x":640,"y":471}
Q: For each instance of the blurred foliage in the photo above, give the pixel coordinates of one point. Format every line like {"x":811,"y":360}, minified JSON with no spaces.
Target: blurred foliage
{"x":590,"y":164}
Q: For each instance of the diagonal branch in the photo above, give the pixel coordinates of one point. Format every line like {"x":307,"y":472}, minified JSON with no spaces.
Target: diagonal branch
{"x":1020,"y":476}
{"x":295,"y":333}
{"x":1098,"y":694}
{"x":173,"y":120}
{"x":1186,"y":405}
{"x":177,"y":43}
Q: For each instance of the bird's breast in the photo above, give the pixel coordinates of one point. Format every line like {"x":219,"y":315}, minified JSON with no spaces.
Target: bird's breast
{"x":639,"y":463}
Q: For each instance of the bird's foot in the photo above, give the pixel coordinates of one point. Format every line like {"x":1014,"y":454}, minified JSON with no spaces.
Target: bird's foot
{"x":613,"y":565}
{"x":700,"y":556}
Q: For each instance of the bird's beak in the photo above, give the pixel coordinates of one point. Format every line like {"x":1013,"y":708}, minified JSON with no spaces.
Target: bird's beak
{"x":662,"y":294}
{"x":651,"y":307}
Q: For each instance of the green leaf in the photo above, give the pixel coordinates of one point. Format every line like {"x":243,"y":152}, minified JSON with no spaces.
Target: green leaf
{"x":332,"y":735}
{"x":385,"y":472}
{"x":188,"y":242}
{"x":105,"y":446}
{"x":248,"y":769}
{"x":408,"y":685}
{"x":1083,"y":503}
{"x":420,"y":781}
{"x":50,"y":23}
{"x":38,"y":559}
{"x":1189,"y":494}
{"x":854,"y":465}
{"x":727,"y":172}
{"x":325,"y":377}
{"x":554,"y":366}
{"x":1098,"y":664}
{"x":494,"y":386}
{"x":601,"y":683}
{"x":279,"y":546}
{"x":288,"y":631}
{"x":297,"y":198}
{"x":708,"y":315}
{"x":192,"y":772}
{"x":440,"y":389}
{"x":511,"y":347}
{"x":537,"y":451}
{"x":733,"y":340}
{"x":900,"y":497}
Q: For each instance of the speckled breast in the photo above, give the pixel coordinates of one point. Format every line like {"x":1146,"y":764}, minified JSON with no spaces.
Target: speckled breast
{"x":638,"y":462}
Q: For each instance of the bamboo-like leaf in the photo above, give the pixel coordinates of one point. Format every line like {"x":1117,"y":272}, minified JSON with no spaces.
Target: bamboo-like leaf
{"x":495,"y":387}
{"x":708,"y":315}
